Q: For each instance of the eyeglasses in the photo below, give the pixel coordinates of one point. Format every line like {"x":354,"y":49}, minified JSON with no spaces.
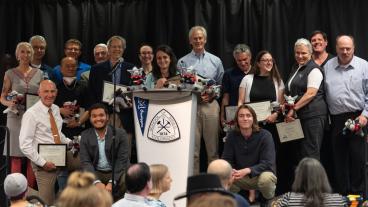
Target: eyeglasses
{"x":267,"y":60}
{"x":146,"y":53}
{"x":72,"y":48}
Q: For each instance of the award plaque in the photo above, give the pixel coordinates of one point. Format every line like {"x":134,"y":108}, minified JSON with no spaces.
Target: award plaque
{"x":55,"y":153}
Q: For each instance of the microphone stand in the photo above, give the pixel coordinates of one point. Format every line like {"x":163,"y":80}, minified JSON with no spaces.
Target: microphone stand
{"x":113,"y":75}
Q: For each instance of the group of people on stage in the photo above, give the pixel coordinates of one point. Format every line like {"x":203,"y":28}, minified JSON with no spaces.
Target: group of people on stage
{"x":328,"y":90}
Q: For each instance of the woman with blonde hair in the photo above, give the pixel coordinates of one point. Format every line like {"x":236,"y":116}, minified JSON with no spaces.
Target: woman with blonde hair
{"x":81,"y":192}
{"x":161,"y":183}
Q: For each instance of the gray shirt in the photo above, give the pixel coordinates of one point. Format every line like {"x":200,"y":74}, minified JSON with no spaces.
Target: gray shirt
{"x":346,"y":86}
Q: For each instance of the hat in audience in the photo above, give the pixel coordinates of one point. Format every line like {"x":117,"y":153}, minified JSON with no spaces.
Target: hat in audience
{"x":203,"y":183}
{"x":15,"y":184}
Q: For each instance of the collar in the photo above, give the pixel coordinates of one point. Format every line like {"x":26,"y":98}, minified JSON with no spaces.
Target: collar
{"x":199,"y":55}
{"x":350,"y":65}
{"x":133,"y":197}
{"x":44,"y":108}
{"x":101,"y":138}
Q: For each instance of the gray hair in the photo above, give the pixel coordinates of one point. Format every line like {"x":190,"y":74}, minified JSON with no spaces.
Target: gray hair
{"x":195,"y":28}
{"x":99,"y":45}
{"x":304,"y":42}
{"x":24,"y":44}
{"x":242,"y":48}
{"x":117,"y":37}
{"x":37,"y":37}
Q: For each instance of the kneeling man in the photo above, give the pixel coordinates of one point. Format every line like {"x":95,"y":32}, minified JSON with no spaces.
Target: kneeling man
{"x":96,"y":149}
{"x":251,"y":152}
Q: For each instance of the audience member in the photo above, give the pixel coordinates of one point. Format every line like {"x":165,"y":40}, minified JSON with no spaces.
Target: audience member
{"x":72,"y":48}
{"x":224,"y":170}
{"x":39,"y":47}
{"x":15,"y":188}
{"x":319,"y":43}
{"x":161,"y":183}
{"x":346,"y":93}
{"x":208,"y":66}
{"x":306,"y":82}
{"x":214,"y":200}
{"x":146,"y":57}
{"x":96,"y":150}
{"x":233,"y":76}
{"x":311,"y":187}
{"x":164,"y":68}
{"x":201,"y":185}
{"x":81,"y":192}
{"x":22,"y":79}
{"x":41,"y":124}
{"x":138,"y":185}
{"x":251,"y":152}
{"x":100,"y":54}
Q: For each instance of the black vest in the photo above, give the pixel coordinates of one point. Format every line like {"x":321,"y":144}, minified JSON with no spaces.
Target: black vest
{"x":298,"y":86}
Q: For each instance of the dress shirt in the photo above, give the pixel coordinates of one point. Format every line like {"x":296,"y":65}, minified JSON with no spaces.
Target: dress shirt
{"x":205,"y":64}
{"x":347,"y":86}
{"x":102,"y":164}
{"x":58,"y":77}
{"x":131,"y":200}
{"x":36,"y":129}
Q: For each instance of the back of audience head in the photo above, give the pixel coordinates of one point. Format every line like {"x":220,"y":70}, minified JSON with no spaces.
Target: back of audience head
{"x":223,"y":170}
{"x":138,"y":179}
{"x":15,"y":186}
{"x":81,"y":192}
{"x":161,"y":179}
{"x":213,"y":200}
{"x":311,"y":179}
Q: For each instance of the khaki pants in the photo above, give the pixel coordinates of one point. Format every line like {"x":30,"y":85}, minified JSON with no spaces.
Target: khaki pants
{"x":265,"y":183}
{"x":46,"y":183}
{"x":208,"y":127}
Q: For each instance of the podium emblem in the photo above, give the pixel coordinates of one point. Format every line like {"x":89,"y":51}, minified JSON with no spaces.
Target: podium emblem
{"x":163,"y":127}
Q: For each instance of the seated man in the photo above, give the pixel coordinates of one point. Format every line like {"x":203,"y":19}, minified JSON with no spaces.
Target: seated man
{"x":96,"y":150}
{"x":138,"y":184}
{"x":251,"y":152}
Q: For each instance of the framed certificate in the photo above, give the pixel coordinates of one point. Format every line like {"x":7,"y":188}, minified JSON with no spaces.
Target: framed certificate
{"x":263,"y":109}
{"x":55,"y":153}
{"x":108,"y":91}
{"x":230,"y":112}
{"x":290,"y":131}
{"x":31,"y":99}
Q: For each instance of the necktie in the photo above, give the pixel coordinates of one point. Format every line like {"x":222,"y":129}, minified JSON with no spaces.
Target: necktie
{"x":54,"y":129}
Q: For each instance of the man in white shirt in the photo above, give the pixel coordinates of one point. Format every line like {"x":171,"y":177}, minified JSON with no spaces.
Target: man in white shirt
{"x":37,"y":128}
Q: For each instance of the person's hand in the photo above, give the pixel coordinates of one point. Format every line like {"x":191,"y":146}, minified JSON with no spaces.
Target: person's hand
{"x":11,"y":103}
{"x":362,"y":120}
{"x":290,"y":116}
{"x":205,"y":98}
{"x":271,"y":118}
{"x":161,"y":82}
{"x":100,"y":185}
{"x":73,"y":124}
{"x":238,"y":174}
{"x":49,"y":166}
{"x":108,"y":187}
{"x":66,"y":112}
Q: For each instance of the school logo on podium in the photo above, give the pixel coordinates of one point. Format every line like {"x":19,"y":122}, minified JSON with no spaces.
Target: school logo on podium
{"x":163,"y":127}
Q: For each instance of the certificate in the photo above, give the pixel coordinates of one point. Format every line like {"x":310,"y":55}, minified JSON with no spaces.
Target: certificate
{"x":31,"y":99}
{"x":108,"y":91}
{"x":55,"y":153}
{"x":290,"y":131}
{"x":230,"y":112}
{"x":262,"y":109}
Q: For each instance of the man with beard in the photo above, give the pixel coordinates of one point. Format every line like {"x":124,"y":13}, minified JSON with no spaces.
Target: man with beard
{"x":96,"y":150}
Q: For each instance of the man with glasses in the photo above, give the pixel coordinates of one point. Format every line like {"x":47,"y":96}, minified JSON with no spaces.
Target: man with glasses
{"x":39,"y":47}
{"x":73,"y":48}
{"x":100,"y":54}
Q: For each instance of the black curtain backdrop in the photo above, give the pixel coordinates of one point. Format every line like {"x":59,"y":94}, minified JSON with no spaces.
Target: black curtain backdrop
{"x":263,"y":24}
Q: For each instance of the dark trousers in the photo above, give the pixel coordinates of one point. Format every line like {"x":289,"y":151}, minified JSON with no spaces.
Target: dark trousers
{"x":348,"y":156}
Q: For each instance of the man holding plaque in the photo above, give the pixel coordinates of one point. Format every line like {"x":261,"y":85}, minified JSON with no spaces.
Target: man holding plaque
{"x":251,"y":152}
{"x":346,"y":83}
{"x":96,"y":150}
{"x":208,"y":66}
{"x":41,"y":126}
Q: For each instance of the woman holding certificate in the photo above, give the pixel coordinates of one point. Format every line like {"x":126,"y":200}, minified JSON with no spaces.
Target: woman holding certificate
{"x":306,"y":84}
{"x":263,"y":83}
{"x":164,"y":68}
{"x":17,"y":82}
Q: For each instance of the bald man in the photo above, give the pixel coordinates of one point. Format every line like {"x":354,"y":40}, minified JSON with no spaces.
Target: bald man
{"x":346,"y":86}
{"x":224,"y":170}
{"x":41,"y":124}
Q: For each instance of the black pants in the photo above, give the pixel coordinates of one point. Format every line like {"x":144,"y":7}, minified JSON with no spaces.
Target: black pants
{"x":348,"y":156}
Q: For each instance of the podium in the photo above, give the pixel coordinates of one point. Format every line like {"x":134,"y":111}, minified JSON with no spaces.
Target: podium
{"x":165,"y":123}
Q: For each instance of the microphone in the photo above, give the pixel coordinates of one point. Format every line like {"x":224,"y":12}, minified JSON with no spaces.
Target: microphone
{"x":116,"y":66}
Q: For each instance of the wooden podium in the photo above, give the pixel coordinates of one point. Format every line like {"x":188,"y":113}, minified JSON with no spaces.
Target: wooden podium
{"x":165,"y":133}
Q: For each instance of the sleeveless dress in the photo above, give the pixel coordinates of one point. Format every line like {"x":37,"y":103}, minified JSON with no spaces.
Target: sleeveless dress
{"x":22,"y":85}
